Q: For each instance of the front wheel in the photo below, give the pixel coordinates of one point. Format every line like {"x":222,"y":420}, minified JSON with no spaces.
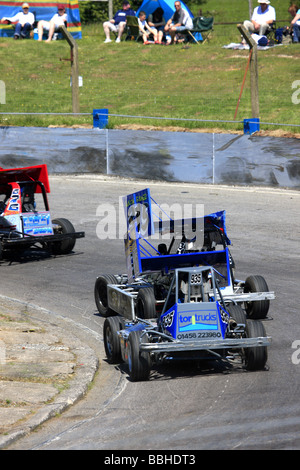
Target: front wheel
{"x":255,"y":357}
{"x":138,"y":361}
{"x":237,"y":313}
{"x":257,"y":309}
{"x":100,"y":293}
{"x":146,"y":303}
{"x":111,"y":339}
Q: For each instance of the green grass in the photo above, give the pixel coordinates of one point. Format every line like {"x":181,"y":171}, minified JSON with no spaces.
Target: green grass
{"x":225,"y":11}
{"x":200,"y":82}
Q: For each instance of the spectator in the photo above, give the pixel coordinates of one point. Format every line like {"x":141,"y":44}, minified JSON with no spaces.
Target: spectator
{"x":24,"y":19}
{"x":295,"y":26}
{"x":179,"y":21}
{"x":263,"y":17}
{"x":118,"y":22}
{"x":293,"y":10}
{"x":156,"y":20}
{"x":145,"y":29}
{"x":59,"y":19}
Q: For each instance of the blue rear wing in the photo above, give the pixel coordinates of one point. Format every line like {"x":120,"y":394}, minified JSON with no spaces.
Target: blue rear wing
{"x":157,"y":242}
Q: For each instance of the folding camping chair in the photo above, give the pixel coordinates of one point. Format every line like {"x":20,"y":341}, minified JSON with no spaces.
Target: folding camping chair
{"x":201,"y":25}
{"x":132,"y":28}
{"x":271,"y":32}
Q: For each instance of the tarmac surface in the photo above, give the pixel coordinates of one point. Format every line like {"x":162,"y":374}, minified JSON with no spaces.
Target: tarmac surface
{"x":44,"y":369}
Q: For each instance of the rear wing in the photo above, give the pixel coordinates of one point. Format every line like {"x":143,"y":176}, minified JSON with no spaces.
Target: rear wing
{"x":30,"y":174}
{"x":157,"y":242}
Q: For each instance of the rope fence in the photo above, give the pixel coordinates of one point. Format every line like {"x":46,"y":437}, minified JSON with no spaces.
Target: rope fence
{"x":127,"y":116}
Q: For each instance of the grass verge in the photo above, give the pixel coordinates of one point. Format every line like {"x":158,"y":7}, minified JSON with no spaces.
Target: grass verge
{"x":188,"y":86}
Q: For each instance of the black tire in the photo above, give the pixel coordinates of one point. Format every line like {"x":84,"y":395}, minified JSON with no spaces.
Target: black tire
{"x":111,"y":339}
{"x":139,"y":363}
{"x":237,"y":313}
{"x":255,"y":357}
{"x":100,"y":293}
{"x":257,"y":309}
{"x":146,"y":303}
{"x":65,"y":246}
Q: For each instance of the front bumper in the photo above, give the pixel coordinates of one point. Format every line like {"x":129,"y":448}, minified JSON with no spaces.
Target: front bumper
{"x":205,"y":345}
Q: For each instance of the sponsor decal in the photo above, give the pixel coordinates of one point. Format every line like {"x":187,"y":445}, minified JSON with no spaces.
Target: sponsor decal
{"x":37,"y":224}
{"x":14,"y":203}
{"x":192,"y":321}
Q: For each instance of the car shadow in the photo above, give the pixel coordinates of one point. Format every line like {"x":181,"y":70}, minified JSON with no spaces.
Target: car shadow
{"x":187,"y":369}
{"x":31,"y":255}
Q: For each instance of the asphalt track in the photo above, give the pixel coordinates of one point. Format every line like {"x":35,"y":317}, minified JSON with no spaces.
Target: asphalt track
{"x":182,"y":407}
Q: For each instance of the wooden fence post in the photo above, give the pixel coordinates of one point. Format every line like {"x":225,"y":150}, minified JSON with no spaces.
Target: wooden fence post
{"x":74,"y":67}
{"x":253,"y":70}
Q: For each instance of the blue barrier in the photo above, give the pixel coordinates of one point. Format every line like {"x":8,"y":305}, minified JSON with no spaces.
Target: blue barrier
{"x":251,"y":125}
{"x":100,"y":118}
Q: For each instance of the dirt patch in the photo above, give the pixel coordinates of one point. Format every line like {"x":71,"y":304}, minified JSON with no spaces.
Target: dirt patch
{"x":215,"y":130}
{"x":211,"y":130}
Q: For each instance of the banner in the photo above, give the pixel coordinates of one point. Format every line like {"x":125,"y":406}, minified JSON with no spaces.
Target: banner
{"x":43,"y":10}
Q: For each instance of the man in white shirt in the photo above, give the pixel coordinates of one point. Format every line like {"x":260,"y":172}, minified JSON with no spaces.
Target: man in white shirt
{"x":59,"y":19}
{"x":24,"y":19}
{"x":263,"y":17}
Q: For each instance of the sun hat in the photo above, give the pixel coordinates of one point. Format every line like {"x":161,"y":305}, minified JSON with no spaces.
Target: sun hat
{"x":264,"y":1}
{"x":60,"y":7}
{"x":25,"y":5}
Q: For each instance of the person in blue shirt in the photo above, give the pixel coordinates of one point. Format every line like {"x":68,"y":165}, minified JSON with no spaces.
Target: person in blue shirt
{"x":295,"y":26}
{"x":118,"y":22}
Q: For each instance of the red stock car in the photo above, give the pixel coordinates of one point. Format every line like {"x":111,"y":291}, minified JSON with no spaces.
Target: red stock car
{"x":25,"y":219}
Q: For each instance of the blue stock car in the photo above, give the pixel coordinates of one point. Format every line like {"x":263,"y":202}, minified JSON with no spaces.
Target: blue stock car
{"x":180,"y":300}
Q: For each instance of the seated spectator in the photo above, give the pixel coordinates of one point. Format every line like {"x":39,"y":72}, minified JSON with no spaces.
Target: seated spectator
{"x":262,"y":19}
{"x":295,"y":26}
{"x":118,"y":22}
{"x":24,"y":19}
{"x":59,"y":19}
{"x":145,"y":29}
{"x":293,"y":10}
{"x":179,"y":21}
{"x":156,"y":20}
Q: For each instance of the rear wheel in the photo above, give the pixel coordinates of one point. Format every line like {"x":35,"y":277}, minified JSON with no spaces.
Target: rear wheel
{"x":255,"y":357}
{"x":111,"y":339}
{"x":139,"y":363}
{"x":258,"y":308}
{"x":65,"y":246}
{"x":100,"y":293}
